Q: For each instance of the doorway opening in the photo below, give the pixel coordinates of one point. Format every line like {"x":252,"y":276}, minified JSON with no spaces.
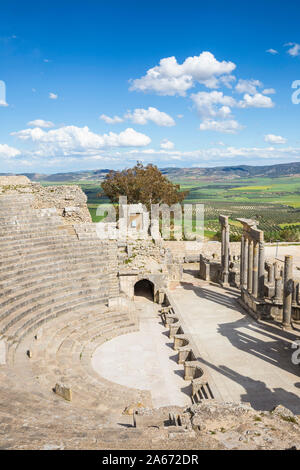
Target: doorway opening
{"x":144,"y":288}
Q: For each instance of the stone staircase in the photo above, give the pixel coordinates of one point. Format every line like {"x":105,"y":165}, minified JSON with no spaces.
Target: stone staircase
{"x":54,"y":290}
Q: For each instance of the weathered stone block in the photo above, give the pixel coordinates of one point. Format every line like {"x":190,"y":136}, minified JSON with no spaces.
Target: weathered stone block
{"x":63,"y":391}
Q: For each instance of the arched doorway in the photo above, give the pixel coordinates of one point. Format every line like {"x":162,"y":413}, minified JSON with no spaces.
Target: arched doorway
{"x":144,"y":288}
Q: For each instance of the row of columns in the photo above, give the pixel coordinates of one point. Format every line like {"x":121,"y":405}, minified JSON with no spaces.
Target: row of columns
{"x":252,"y":267}
{"x":252,"y":264}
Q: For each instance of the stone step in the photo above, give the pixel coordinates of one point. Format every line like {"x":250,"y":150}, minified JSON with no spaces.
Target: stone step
{"x":19,"y":330}
{"x":33,"y":305}
{"x":20,"y":257}
{"x":69,"y":244}
{"x":62,"y":257}
{"x":84,"y":271}
{"x":10,"y":304}
{"x":39,"y":232}
{"x":46,"y":342}
{"x":63,"y":262}
{"x":33,"y":241}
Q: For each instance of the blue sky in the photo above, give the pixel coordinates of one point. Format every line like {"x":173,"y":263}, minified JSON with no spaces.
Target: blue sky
{"x":101,"y":84}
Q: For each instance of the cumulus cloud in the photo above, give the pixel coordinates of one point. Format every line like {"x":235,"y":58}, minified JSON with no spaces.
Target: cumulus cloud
{"x":8,"y":152}
{"x":275,"y":139}
{"x":143,"y":116}
{"x":269,"y":91}
{"x":272,"y":51}
{"x":79,"y":140}
{"x":212,"y":104}
{"x":256,"y":101}
{"x":294,"y":49}
{"x":172,"y":78}
{"x":229,"y":126}
{"x":248,"y":86}
{"x":167,"y":144}
{"x":216,"y":108}
{"x":53,"y":96}
{"x":40,"y":123}
{"x":111,"y":120}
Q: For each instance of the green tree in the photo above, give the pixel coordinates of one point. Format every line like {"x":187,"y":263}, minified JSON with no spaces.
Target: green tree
{"x":144,"y":184}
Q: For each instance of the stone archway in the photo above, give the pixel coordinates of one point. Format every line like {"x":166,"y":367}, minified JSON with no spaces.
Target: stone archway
{"x":144,"y":288}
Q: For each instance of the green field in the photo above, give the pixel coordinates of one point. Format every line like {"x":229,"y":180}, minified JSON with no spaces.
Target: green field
{"x":273,"y":202}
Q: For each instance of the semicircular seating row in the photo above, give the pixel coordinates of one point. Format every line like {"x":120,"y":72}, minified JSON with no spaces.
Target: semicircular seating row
{"x":54,"y":290}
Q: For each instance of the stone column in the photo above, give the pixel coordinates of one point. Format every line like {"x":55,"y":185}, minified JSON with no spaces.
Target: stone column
{"x":245,"y":264}
{"x":226,"y":255}
{"x":261,"y":269}
{"x":278,"y":289}
{"x":255,"y":270}
{"x":287,"y":291}
{"x":241,"y":262}
{"x":250,"y":266}
{"x":225,"y":248}
{"x":222,"y":244}
{"x":271,"y":275}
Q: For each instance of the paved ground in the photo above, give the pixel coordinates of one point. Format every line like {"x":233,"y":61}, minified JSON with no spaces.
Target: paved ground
{"x":145,"y":361}
{"x":247,"y":361}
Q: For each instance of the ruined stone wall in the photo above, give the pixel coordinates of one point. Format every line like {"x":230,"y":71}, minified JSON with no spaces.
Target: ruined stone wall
{"x":70,"y":201}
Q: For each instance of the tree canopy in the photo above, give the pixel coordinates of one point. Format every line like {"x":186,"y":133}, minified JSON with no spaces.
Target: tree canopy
{"x":144,"y":184}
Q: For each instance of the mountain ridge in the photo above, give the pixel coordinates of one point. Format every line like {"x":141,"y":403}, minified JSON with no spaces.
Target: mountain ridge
{"x":215,"y":173}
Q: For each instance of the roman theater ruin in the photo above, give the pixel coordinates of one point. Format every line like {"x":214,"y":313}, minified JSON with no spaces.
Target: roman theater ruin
{"x":141,"y":343}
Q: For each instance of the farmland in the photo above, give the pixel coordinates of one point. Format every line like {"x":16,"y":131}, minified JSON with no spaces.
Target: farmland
{"x":273,"y":202}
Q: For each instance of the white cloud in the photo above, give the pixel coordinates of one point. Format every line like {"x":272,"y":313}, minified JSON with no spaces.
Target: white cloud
{"x":294,"y":49}
{"x":212,"y":104}
{"x":40,"y":123}
{"x":272,"y":51}
{"x":167,"y":144}
{"x":3,"y":103}
{"x":8,"y":152}
{"x":111,"y":120}
{"x":70,"y":140}
{"x":248,"y":86}
{"x":53,"y":96}
{"x":275,"y":139}
{"x":269,"y":91}
{"x":172,"y":78}
{"x":228,"y":127}
{"x":256,"y":101}
{"x":143,"y":116}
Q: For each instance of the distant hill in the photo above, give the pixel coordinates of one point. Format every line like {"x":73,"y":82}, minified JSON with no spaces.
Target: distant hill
{"x":214,"y":173}
{"x":232,"y":172}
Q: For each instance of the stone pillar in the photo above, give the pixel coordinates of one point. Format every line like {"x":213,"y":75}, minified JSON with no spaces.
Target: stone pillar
{"x":255,"y":270}
{"x":278,"y":289}
{"x":271,"y":275}
{"x":241,"y":262}
{"x":287,"y":291}
{"x":261,"y":269}
{"x":250,"y":266}
{"x":245,"y":264}
{"x":276,"y":270}
{"x":225,"y":248}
